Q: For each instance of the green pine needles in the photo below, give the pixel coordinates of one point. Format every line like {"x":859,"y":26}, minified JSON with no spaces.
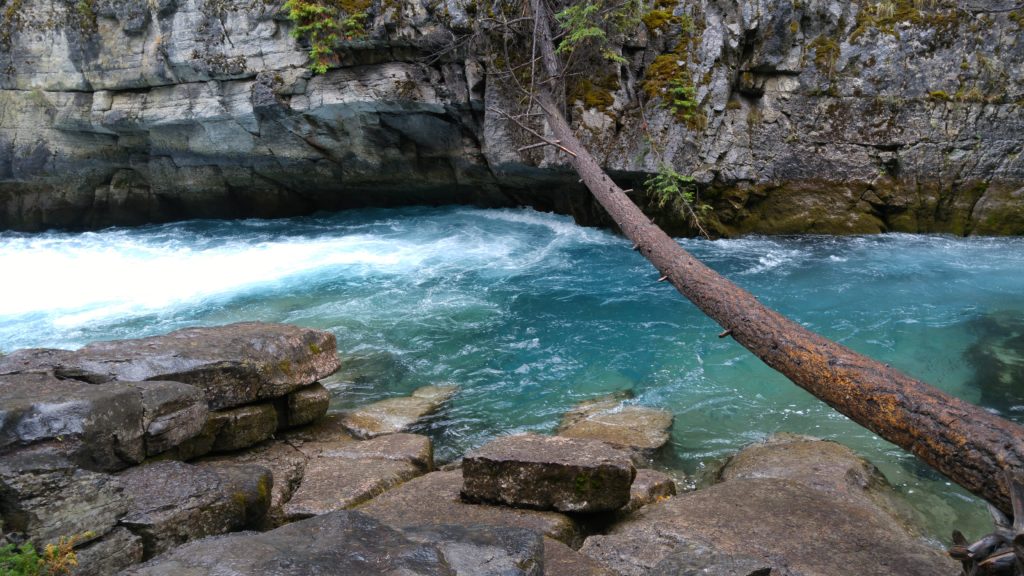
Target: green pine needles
{"x":669,"y":188}
{"x":324,"y":23}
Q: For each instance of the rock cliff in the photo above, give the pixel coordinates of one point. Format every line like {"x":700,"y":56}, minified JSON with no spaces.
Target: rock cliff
{"x":811,"y":115}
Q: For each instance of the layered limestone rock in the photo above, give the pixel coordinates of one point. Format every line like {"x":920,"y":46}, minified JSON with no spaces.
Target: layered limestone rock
{"x":840,"y":116}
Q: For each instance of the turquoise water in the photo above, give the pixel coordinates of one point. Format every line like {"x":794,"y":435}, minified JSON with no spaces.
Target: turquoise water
{"x":529,"y":314}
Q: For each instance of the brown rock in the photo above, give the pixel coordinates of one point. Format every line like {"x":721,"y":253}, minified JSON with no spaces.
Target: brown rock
{"x":306,"y":405}
{"x":434,"y":499}
{"x":560,"y":560}
{"x":639,"y":429}
{"x":333,"y":483}
{"x":396,"y":414}
{"x":549,"y":473}
{"x":649,"y":486}
{"x":779,"y":523}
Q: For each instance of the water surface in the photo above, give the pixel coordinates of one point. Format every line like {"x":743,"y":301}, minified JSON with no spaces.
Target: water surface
{"x":529,"y":314}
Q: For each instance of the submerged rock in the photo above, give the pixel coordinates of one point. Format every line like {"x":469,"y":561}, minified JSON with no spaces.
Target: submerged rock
{"x":172,"y":502}
{"x":434,"y":499}
{"x":548,"y":473}
{"x":818,"y":518}
{"x":337,"y":543}
{"x":397,"y":414}
{"x":641,"y":430}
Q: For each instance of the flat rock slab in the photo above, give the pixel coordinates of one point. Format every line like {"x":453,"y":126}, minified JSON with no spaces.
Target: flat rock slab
{"x":172,"y":502}
{"x":45,"y":496}
{"x":415,"y":449}
{"x":234,"y":364}
{"x":549,"y":473}
{"x":98,"y":427}
{"x":396,"y":414}
{"x":338,"y":483}
{"x":342,"y":542}
{"x":780,"y":523}
{"x":484,"y":550}
{"x":640,"y":429}
{"x":434,"y":499}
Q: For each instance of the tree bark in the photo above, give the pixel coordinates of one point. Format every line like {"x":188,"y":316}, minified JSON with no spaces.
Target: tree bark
{"x":964,"y":442}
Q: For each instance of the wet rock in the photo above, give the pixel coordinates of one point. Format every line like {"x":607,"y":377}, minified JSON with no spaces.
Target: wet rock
{"x":333,"y":483}
{"x":173,"y":502}
{"x":342,"y":542}
{"x":694,"y":559}
{"x":434,"y":499}
{"x":777,"y":522}
{"x":234,"y":364}
{"x":118,"y":549}
{"x":549,"y":473}
{"x":639,"y":429}
{"x":305,"y":405}
{"x":286,"y":464}
{"x":484,"y":550}
{"x":45,"y":497}
{"x":173,"y":412}
{"x":560,"y":560}
{"x":649,"y":486}
{"x":98,"y":427}
{"x":397,"y":414}
{"x":242,"y":427}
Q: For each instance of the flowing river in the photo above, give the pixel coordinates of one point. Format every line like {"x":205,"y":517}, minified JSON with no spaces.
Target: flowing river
{"x":529,"y":314}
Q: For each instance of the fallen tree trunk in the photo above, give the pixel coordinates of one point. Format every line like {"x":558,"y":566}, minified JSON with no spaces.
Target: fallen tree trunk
{"x":966,"y":443}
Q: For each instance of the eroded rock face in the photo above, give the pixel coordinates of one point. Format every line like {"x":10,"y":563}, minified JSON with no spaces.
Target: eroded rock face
{"x":548,"y":473}
{"x":810,"y":117}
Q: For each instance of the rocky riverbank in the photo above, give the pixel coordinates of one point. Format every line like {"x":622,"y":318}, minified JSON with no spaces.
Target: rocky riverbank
{"x":211,"y":451}
{"x":836,"y":116}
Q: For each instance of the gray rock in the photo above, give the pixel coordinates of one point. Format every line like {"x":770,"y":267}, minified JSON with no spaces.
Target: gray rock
{"x":46,"y":497}
{"x":242,"y":427}
{"x":397,"y":414}
{"x":434,"y":499}
{"x":484,"y":550}
{"x":306,"y":405}
{"x":99,"y":427}
{"x":639,"y":429}
{"x":549,"y":473}
{"x":337,"y":543}
{"x":172,"y":502}
{"x":649,"y":486}
{"x":234,"y":364}
{"x":560,"y":560}
{"x":693,"y":559}
{"x":286,"y":464}
{"x":412,"y":448}
{"x":172,"y":413}
{"x":333,"y":483}
{"x":746,"y":517}
{"x":108,"y":555}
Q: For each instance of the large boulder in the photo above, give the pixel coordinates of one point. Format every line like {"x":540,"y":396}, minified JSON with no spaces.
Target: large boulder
{"x":815,"y":519}
{"x":173,"y":502}
{"x":338,"y":543}
{"x":44,"y":496}
{"x":434,"y":499}
{"x":641,"y":430}
{"x":234,"y":364}
{"x":549,"y":473}
{"x":397,"y":414}
{"x":98,"y":427}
